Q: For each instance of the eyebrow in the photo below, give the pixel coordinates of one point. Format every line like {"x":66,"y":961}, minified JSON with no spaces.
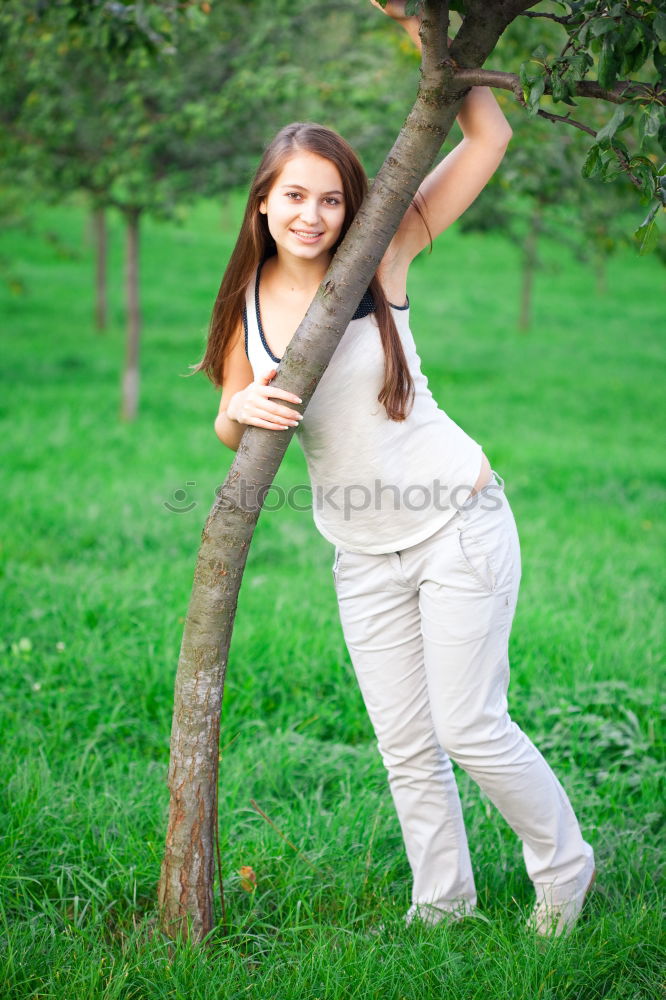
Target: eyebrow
{"x":300,"y":188}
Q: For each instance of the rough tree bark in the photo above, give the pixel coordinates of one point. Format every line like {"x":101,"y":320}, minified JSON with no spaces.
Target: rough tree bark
{"x":187,"y":876}
{"x":130,"y":386}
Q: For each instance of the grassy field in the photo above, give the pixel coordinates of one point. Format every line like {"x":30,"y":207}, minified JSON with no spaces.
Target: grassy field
{"x":101,"y":528}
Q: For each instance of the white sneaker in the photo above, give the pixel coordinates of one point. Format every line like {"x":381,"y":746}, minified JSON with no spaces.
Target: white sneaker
{"x":431,"y":915}
{"x":428,"y":915}
{"x":558,"y":906}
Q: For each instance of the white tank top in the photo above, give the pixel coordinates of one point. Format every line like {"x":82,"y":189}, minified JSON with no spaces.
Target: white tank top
{"x":378,"y":485}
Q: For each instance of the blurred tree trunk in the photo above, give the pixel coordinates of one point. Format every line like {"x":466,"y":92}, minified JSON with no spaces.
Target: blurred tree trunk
{"x":100,"y":241}
{"x":530,"y":264}
{"x":599,"y":263}
{"x":130,"y":386}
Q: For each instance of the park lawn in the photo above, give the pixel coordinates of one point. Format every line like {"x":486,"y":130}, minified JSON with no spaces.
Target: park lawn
{"x":102,"y":524}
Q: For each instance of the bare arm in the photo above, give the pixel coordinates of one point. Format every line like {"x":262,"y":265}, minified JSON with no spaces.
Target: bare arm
{"x":461,"y":176}
{"x":246,"y":402}
{"x":454,"y":184}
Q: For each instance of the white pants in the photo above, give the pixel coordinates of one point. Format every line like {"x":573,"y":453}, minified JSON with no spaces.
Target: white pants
{"x":427,"y":630}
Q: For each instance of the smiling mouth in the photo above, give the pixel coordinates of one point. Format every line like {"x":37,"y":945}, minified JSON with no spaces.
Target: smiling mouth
{"x":302,"y":234}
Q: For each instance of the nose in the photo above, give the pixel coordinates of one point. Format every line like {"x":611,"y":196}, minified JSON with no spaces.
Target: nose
{"x":310,"y":212}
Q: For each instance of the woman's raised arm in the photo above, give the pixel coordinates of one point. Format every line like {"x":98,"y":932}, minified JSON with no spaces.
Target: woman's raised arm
{"x":461,"y":176}
{"x":455,"y":182}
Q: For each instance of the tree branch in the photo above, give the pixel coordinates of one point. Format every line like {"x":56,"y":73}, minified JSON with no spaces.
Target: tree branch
{"x":434,"y":32}
{"x":490,"y":78}
{"x":623,"y":90}
{"x":567,"y":19}
{"x":619,"y":155}
{"x":567,"y":120}
{"x":481,"y":27}
{"x":621,"y":158}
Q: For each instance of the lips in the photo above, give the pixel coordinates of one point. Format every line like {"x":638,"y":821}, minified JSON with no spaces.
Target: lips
{"x":308,"y":237}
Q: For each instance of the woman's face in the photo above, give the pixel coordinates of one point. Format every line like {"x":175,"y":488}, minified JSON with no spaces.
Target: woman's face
{"x":305,"y":208}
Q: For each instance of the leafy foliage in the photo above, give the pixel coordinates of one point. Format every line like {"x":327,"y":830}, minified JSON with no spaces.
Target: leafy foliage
{"x":613,"y":41}
{"x":148,"y":104}
{"x":141,"y":124}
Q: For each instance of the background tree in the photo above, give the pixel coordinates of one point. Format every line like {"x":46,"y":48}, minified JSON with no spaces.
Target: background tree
{"x":541,"y":192}
{"x":77,"y":117}
{"x":145,"y":113}
{"x":615,"y":41}
{"x":51,"y":56}
{"x":187,"y":878}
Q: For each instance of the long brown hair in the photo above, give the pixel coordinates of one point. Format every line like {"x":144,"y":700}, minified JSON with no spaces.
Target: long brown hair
{"x":255,"y":244}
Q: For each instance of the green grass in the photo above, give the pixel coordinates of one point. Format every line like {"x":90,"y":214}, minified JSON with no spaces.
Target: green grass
{"x":97,"y":572}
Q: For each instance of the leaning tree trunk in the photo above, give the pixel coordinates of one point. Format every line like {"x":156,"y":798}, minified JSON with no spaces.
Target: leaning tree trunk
{"x":130,"y":384}
{"x":100,"y":242}
{"x":187,"y":876}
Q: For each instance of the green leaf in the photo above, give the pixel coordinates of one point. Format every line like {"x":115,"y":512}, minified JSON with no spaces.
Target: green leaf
{"x":528,"y":77}
{"x":601,"y":26}
{"x":540,"y":53}
{"x":661,"y":137}
{"x":579,"y":65}
{"x":644,"y":161}
{"x":633,"y":59}
{"x":652,"y":117}
{"x":611,"y":127}
{"x":592,"y":164}
{"x":660,"y":190}
{"x":610,"y":168}
{"x":660,"y":59}
{"x":609,"y":63}
{"x":647,"y":233}
{"x":536,"y":91}
{"x":644,"y":171}
{"x":635,"y":36}
{"x":659,"y":25}
{"x":560,"y":87}
{"x":616,"y":143}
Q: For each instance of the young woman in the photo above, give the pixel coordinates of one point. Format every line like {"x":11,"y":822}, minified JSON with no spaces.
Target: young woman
{"x":427,"y":562}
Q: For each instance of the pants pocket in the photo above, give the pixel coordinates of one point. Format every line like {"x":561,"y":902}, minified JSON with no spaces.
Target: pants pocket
{"x":476,"y":560}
